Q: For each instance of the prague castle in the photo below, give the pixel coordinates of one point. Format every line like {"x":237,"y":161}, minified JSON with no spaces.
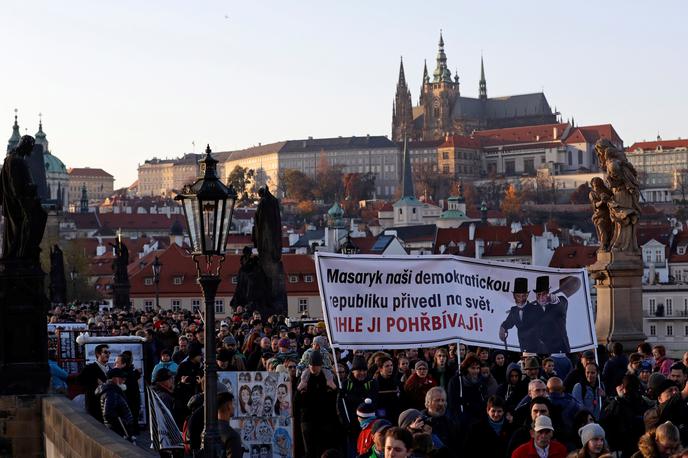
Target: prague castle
{"x":442,"y":110}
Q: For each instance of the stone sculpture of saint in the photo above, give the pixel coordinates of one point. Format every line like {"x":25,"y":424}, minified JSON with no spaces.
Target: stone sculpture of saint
{"x":267,"y":231}
{"x":624,"y":206}
{"x":600,"y":196}
{"x":25,"y":218}
{"x":121,"y":261}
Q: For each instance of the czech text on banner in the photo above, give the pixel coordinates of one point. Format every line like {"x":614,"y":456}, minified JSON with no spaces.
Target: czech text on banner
{"x":372,"y":301}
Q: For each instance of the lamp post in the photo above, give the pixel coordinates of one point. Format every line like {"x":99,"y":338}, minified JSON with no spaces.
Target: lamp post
{"x":208,"y":208}
{"x":73,"y":274}
{"x":157,"y":267}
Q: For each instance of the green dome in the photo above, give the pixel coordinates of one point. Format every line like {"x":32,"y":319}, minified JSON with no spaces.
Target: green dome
{"x":336,"y":211}
{"x":53,"y":164}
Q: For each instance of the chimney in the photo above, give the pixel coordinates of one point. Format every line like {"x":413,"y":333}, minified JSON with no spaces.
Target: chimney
{"x":471,"y":231}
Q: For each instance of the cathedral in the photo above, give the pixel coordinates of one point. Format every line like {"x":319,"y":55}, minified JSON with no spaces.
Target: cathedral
{"x":442,"y":110}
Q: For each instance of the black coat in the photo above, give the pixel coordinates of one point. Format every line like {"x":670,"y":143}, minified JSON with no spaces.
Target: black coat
{"x":389,"y":397}
{"x":90,"y":378}
{"x":482,"y":440}
{"x":528,"y":326}
{"x":552,"y":327}
{"x":115,"y":410}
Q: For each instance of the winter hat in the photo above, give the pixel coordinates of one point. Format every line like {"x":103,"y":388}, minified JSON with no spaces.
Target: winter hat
{"x":532,"y":363}
{"x":663,"y":386}
{"x":284,"y":343}
{"x":589,"y":432}
{"x":316,"y":359}
{"x":359,"y":364}
{"x":654,"y":382}
{"x":229,"y":340}
{"x":320,"y":325}
{"x":380,"y":426}
{"x":163,"y":375}
{"x":420,"y":364}
{"x":408,"y":416}
{"x":322,"y":341}
{"x":366,"y":409}
{"x":115,"y":372}
{"x":645,"y":366}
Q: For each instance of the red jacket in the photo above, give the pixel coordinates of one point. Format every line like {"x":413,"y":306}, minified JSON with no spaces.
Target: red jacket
{"x":527,"y":450}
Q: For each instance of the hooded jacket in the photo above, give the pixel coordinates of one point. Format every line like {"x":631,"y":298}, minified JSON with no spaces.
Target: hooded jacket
{"x":116,"y":413}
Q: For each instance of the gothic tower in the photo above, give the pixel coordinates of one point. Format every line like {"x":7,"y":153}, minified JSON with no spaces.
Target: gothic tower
{"x":483,"y":83}
{"x":402,"y":110}
{"x":438,"y":97}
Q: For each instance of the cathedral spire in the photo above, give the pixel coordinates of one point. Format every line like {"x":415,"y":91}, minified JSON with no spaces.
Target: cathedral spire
{"x":426,"y":78}
{"x":40,"y":136}
{"x":402,"y":109}
{"x":441,"y":73}
{"x":483,"y":82}
{"x":407,"y":177}
{"x":402,"y":76}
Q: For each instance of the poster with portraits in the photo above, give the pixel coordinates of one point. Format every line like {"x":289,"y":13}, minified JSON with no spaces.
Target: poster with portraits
{"x":263,"y":412}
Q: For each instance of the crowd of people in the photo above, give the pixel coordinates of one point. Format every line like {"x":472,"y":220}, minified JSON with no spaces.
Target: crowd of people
{"x":432,"y":402}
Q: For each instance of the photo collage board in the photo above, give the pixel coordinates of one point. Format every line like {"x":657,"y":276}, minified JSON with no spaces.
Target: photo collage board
{"x":263,"y":412}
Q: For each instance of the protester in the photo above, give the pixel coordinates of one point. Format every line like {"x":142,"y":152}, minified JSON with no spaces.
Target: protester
{"x":661,"y":442}
{"x":91,"y":377}
{"x":542,"y":443}
{"x":588,"y":392}
{"x":417,"y":385}
{"x":662,"y":363}
{"x":115,"y":411}
{"x":398,"y":443}
{"x":436,"y":417}
{"x":389,"y":389}
{"x":615,"y":367}
{"x":490,"y":435}
{"x":441,"y":371}
{"x":231,"y":440}
{"x":163,"y":386}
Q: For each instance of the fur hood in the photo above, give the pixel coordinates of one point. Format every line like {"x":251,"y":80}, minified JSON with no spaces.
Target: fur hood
{"x":648,"y":446}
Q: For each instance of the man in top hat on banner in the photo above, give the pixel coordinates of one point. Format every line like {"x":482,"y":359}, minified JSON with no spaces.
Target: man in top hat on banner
{"x":525,"y":316}
{"x":552,"y":324}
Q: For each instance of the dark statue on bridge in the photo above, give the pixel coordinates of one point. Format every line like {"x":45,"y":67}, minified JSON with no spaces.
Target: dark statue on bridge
{"x":25,"y":218}
{"x":58,"y":282}
{"x":261,"y":283}
{"x":120,"y":284}
{"x":23,"y":304}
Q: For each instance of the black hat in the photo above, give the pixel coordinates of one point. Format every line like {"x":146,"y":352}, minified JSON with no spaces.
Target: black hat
{"x":359,"y":364}
{"x":115,"y":372}
{"x":316,"y":359}
{"x":664,"y":385}
{"x":195,"y":350}
{"x":542,"y":284}
{"x":520,"y":285}
{"x":366,"y":409}
{"x":163,"y":375}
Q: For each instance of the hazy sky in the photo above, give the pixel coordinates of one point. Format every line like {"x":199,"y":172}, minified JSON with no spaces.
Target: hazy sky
{"x":122,"y":81}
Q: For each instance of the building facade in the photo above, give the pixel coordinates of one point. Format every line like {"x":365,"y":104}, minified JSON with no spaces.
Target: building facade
{"x":442,"y":110}
{"x":662,"y":167}
{"x":99,"y":184}
{"x":163,"y":177}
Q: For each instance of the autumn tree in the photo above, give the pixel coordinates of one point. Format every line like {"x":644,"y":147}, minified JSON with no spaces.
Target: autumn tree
{"x":239,"y":179}
{"x":297,"y":185}
{"x":328,"y":180}
{"x":511,"y":204}
{"x":359,"y":186}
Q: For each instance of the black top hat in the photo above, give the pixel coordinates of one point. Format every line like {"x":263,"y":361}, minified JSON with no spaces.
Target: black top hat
{"x":520,"y":285}
{"x":542,"y":284}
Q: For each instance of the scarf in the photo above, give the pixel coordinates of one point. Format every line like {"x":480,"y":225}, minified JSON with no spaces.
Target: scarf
{"x":366,"y":421}
{"x":496,"y":425}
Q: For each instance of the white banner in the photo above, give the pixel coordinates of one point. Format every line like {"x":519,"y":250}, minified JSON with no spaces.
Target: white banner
{"x":372,"y":301}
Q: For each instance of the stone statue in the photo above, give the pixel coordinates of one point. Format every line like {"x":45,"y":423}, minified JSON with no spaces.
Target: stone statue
{"x":121,"y":261}
{"x":267,"y":230}
{"x":58,"y":282}
{"x":624,"y":205}
{"x":25,"y":218}
{"x":600,"y":196}
{"x":253,"y":287}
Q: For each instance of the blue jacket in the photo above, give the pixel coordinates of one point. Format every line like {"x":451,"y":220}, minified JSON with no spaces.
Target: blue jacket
{"x":170,"y":365}
{"x":58,"y":376}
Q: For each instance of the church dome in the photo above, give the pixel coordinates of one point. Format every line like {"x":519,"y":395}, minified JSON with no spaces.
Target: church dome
{"x":53,"y":164}
{"x":336,"y":211}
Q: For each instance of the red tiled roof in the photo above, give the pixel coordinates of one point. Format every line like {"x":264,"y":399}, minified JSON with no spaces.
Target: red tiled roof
{"x":574,"y":256}
{"x":496,"y":235}
{"x":591,"y":134}
{"x":137,"y":221}
{"x":665,"y":144}
{"x":460,"y":141}
{"x":526,"y":134}
{"x":89,"y":172}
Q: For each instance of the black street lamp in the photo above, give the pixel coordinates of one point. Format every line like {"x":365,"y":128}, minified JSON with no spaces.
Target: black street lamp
{"x":157,"y":267}
{"x":73,"y":274}
{"x":208,"y":208}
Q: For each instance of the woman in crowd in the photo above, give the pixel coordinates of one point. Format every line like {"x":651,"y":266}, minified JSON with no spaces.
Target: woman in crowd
{"x":441,"y":371}
{"x":589,"y":392}
{"x":418,"y":385}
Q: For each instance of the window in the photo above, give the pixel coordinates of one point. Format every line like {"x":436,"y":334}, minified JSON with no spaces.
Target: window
{"x":303,"y":305}
{"x":653,"y":330}
{"x":293,"y":278}
{"x":195,"y":305}
{"x":148,"y":281}
{"x":148,"y":305}
{"x":652,"y":306}
{"x":685,"y":331}
{"x":570,"y":158}
{"x":445,"y":155}
{"x":580,"y":156}
{"x":528,"y":165}
{"x":176,"y":305}
{"x":670,"y":330}
{"x":509,"y":167}
{"x":669,"y":306}
{"x":658,"y":256}
{"x":308,"y":278}
{"x":648,"y":256}
{"x":678,"y":276}
{"x":445,"y":169}
{"x":219,"y":306}
{"x":177,"y":280}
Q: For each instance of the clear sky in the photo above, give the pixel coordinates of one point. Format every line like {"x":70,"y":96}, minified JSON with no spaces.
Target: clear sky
{"x":122,"y":81}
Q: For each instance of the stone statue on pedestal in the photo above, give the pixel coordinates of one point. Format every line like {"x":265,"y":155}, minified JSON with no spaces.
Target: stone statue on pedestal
{"x":121,"y":285}
{"x":23,"y":305}
{"x":619,"y":267}
{"x":58,"y":282}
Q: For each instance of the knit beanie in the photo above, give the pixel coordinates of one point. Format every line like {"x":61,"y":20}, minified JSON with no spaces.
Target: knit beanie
{"x":359,"y":364}
{"x":366,"y":409}
{"x":589,"y":432}
{"x":408,"y":416}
